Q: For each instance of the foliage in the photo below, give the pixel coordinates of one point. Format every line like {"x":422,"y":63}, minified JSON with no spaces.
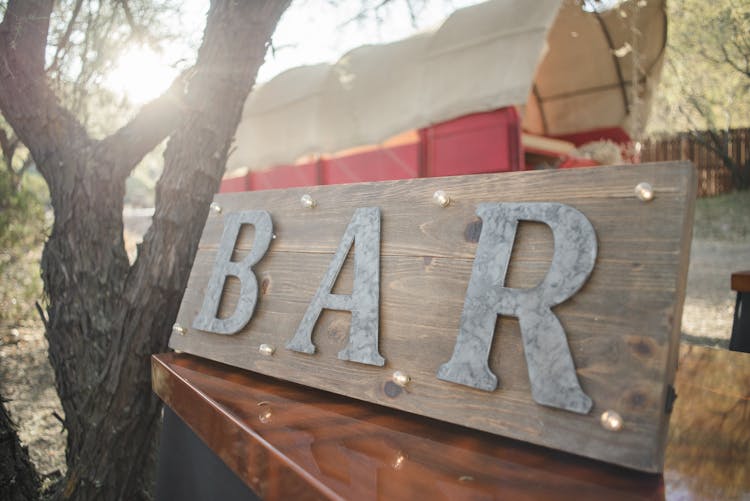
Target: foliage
{"x":22,"y":231}
{"x":706,"y":79}
{"x":705,"y":86}
{"x":723,"y":217}
{"x":15,"y":157}
{"x":86,"y":39}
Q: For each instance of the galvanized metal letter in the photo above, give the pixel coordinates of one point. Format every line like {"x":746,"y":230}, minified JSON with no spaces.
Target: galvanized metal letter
{"x":363,"y":301}
{"x":206,"y":319}
{"x":551,"y":369}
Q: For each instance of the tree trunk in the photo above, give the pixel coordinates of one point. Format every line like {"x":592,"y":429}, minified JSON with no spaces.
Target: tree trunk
{"x":105,"y":317}
{"x":18,"y":478}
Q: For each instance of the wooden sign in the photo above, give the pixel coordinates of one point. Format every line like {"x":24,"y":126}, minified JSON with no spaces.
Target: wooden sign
{"x":543,"y":306}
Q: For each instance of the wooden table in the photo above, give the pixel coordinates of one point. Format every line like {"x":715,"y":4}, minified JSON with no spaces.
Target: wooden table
{"x":286,"y":441}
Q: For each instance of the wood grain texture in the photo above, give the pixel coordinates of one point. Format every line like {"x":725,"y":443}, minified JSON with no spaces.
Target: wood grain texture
{"x":622,"y":327}
{"x":287,"y":441}
{"x":741,"y":281}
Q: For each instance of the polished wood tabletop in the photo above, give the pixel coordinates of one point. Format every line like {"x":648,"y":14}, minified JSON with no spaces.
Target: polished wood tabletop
{"x":741,"y":281}
{"x":287,"y":441}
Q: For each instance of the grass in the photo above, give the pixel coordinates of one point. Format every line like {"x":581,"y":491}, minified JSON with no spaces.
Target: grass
{"x":724,"y":217}
{"x":22,"y":232}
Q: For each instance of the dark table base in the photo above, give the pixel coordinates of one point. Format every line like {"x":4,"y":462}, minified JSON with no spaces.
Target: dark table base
{"x":190,"y":471}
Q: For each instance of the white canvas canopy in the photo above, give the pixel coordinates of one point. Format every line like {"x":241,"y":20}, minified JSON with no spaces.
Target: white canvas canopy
{"x":481,"y":58}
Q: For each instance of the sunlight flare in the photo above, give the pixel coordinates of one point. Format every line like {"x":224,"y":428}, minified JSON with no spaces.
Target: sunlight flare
{"x":141,"y":74}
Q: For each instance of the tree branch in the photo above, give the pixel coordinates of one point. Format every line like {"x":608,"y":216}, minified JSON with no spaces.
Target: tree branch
{"x":8,"y":147}
{"x":728,"y":60}
{"x":366,"y":11}
{"x":28,"y":162}
{"x":28,"y":104}
{"x":412,"y":14}
{"x":129,"y":16}
{"x":233,"y":49}
{"x":25,"y":28}
{"x":63,"y":42}
{"x":155,"y":121}
{"x":708,"y":57}
{"x":719,"y":146}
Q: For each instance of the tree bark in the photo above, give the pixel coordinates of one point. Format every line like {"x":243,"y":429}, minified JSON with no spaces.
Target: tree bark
{"x":105,"y":317}
{"x":18,"y":478}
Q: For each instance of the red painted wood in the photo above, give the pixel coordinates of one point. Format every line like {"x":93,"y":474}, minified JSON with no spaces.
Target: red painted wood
{"x":285,"y":176}
{"x":572,"y":162}
{"x":377,"y":164}
{"x":615,"y":134}
{"x":473,"y":144}
{"x":234,"y":184}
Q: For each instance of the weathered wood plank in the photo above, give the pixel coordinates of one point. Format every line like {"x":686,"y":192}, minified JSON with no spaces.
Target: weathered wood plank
{"x":417,"y":226}
{"x":622,"y":327}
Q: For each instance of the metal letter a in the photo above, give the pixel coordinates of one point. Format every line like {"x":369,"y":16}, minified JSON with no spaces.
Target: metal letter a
{"x":363,"y":302}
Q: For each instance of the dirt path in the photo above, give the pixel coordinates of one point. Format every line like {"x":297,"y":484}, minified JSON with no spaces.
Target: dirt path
{"x":27,"y":381}
{"x":709,"y":302}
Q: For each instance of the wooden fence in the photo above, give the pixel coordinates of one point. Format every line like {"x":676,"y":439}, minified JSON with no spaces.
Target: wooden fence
{"x":713,"y":177}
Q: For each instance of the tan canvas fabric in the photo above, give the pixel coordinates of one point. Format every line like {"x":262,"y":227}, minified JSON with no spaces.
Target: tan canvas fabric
{"x":584,"y":82}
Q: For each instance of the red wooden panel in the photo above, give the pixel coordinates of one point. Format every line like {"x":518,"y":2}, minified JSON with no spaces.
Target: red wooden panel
{"x":473,"y":144}
{"x":380,"y":164}
{"x":234,"y":184}
{"x":615,"y":134}
{"x":285,"y":176}
{"x":571,"y":162}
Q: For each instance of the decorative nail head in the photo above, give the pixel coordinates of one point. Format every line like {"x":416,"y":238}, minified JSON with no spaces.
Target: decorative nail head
{"x":611,"y":421}
{"x":644,"y":192}
{"x":441,"y":198}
